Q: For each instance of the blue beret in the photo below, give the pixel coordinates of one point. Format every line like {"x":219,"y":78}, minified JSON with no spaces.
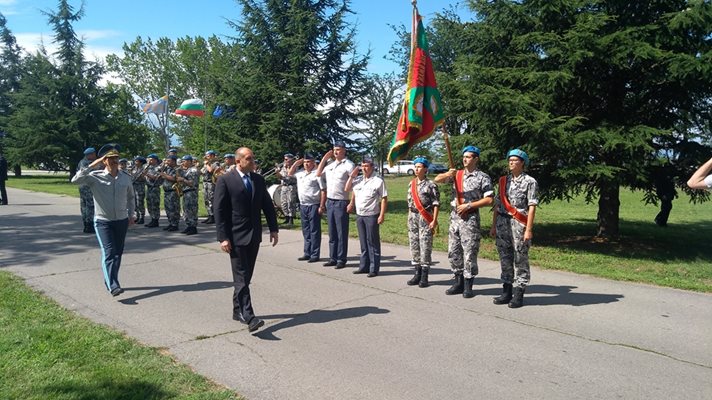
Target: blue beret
{"x":187,"y":157}
{"x":471,"y":149}
{"x":519,"y":153}
{"x":421,"y":160}
{"x":172,"y":150}
{"x":153,"y":155}
{"x":171,"y":157}
{"x":339,"y":143}
{"x":210,"y":153}
{"x":229,"y":155}
{"x":140,"y":158}
{"x":89,"y":150}
{"x":109,"y":150}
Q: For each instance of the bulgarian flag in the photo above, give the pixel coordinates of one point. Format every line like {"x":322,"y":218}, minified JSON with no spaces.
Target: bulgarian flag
{"x":191,"y":108}
{"x":422,"y":110}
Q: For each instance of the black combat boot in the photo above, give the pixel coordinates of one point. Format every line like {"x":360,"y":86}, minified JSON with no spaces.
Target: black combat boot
{"x":152,"y":224}
{"x":87,"y":228}
{"x":211,"y":219}
{"x":506,"y":295}
{"x":468,"y":293}
{"x":517,"y":297}
{"x":458,"y":287}
{"x":416,"y":278}
{"x":424,"y":277}
{"x":140,"y":221}
{"x":192,"y":231}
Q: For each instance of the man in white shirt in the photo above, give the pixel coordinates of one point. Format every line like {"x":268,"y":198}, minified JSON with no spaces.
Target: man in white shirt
{"x":311,"y":190}
{"x":702,"y":179}
{"x":114,"y":207}
{"x":369,"y":200}
{"x":337,"y":198}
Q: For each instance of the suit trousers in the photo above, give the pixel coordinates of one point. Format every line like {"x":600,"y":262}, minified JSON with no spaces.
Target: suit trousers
{"x":369,"y":236}
{"x":311,"y":230}
{"x":111,"y":236}
{"x":242,"y":260}
{"x":338,"y":220}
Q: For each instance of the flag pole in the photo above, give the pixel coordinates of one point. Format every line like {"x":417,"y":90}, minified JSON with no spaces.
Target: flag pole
{"x":447,"y":146}
{"x":167,"y":143}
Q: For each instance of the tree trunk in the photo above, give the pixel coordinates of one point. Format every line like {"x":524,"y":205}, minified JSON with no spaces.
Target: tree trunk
{"x":608,"y":209}
{"x":18,"y":170}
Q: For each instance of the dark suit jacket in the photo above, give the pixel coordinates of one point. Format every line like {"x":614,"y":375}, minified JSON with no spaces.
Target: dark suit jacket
{"x":237,"y":214}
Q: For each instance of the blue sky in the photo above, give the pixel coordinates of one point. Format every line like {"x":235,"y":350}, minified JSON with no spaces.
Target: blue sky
{"x":107,"y":24}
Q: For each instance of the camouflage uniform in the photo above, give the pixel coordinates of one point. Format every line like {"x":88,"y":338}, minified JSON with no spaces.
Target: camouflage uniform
{"x":512,"y":248}
{"x":288,"y":195}
{"x":420,"y":235}
{"x":464,"y":234}
{"x":190,"y":197}
{"x":86,"y":199}
{"x":139,"y":185}
{"x":153,"y":193}
{"x":171,"y":202}
{"x":209,"y":187}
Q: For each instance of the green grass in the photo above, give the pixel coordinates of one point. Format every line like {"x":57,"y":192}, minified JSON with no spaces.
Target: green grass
{"x":50,"y":353}
{"x":678,"y":256}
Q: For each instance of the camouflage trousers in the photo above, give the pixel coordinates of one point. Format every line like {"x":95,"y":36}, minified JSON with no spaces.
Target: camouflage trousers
{"x":140,"y":196}
{"x":153,"y":202}
{"x":288,"y":197}
{"x":86,"y":204}
{"x":190,"y":208}
{"x":513,"y":251}
{"x":420,"y":237}
{"x":463,"y":245}
{"x":208,"y":196}
{"x":171,"y":203}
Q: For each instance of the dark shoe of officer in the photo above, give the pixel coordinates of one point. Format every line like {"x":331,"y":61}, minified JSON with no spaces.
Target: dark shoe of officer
{"x":458,"y":287}
{"x":416,"y":278}
{"x":172,"y":228}
{"x":191,"y":231}
{"x":303,"y":258}
{"x":186,"y":230}
{"x":152,"y":224}
{"x":140,"y":221}
{"x":424,"y":278}
{"x":168,"y":227}
{"x":117,"y":291}
{"x":517,"y":297}
{"x":255,"y":324}
{"x":359,"y":271}
{"x":86,"y":228}
{"x":209,"y":220}
{"x":468,"y":293}
{"x":506,"y":295}
{"x":372,"y":274}
{"x":313,"y":260}
{"x":330,"y":263}
{"x":340,"y":265}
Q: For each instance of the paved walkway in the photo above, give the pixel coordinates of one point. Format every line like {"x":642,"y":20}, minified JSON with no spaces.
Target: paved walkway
{"x":330,"y":334}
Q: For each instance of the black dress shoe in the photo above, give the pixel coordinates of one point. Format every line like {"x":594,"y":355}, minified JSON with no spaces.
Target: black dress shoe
{"x":117,"y":291}
{"x":191,"y":231}
{"x":340,"y":265}
{"x":167,"y":227}
{"x":303,"y":258}
{"x":330,"y":263}
{"x":313,"y":260}
{"x":372,"y":274}
{"x":358,"y":271}
{"x":255,"y":324}
{"x":172,"y":228}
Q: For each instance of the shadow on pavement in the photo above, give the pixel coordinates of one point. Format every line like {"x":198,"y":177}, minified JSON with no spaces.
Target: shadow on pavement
{"x":314,"y":317}
{"x":161,"y":290}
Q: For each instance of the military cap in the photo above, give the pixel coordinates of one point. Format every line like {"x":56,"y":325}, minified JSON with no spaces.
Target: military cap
{"x":172,"y":150}
{"x":421,"y":160}
{"x":140,"y":158}
{"x":308,"y":156}
{"x":288,"y":155}
{"x":519,"y":153}
{"x":229,"y":155}
{"x":89,"y":150}
{"x":471,"y":149}
{"x":153,"y":155}
{"x":187,"y":157}
{"x":211,"y":153}
{"x":171,"y":157}
{"x":367,"y":160}
{"x":339,"y":143}
{"x":109,"y":150}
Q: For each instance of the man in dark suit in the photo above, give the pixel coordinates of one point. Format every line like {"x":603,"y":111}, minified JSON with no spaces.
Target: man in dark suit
{"x":240,"y":194}
{"x":3,"y":178}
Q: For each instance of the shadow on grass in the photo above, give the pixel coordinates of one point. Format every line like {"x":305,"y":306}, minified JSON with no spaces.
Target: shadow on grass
{"x":106,"y":389}
{"x":314,"y":317}
{"x":638,"y":240}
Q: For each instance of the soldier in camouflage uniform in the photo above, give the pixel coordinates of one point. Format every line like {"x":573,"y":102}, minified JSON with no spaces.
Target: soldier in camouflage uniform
{"x":210,"y":167}
{"x":189,"y":178}
{"x":472,"y":190}
{"x":138,"y":177}
{"x":153,"y":190}
{"x":171,"y":202}
{"x":512,"y":226}
{"x":288,"y":194}
{"x":86,"y":199}
{"x":422,"y":225}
